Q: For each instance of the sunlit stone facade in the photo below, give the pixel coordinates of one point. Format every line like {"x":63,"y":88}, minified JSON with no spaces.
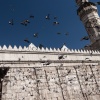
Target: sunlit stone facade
{"x":49,"y":74}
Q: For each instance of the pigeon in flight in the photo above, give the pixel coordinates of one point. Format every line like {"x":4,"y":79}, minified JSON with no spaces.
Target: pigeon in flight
{"x":26,"y":40}
{"x":85,"y":38}
{"x":31,"y":16}
{"x":56,"y":23}
{"x":47,"y":17}
{"x":97,"y":3}
{"x":11,"y":22}
{"x":55,"y":17}
{"x":41,"y":46}
{"x":58,"y":33}
{"x":25,"y":22}
{"x":86,"y":46}
{"x":35,"y":35}
{"x":66,"y":33}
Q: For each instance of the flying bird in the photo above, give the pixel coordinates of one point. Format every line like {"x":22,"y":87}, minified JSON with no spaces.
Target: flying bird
{"x":41,"y":46}
{"x":58,"y":33}
{"x":97,"y":3}
{"x":11,"y":22}
{"x":86,"y":46}
{"x":26,"y":40}
{"x":31,"y":16}
{"x":55,"y":17}
{"x":56,"y":23}
{"x":66,"y":33}
{"x":25,"y":22}
{"x":35,"y":35}
{"x":47,"y":17}
{"x":85,"y":38}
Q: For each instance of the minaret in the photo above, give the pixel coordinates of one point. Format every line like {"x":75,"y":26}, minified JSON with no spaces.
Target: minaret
{"x":88,"y":14}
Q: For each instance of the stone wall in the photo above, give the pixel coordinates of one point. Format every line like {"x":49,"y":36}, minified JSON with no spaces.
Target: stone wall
{"x":31,"y":73}
{"x":52,"y":83}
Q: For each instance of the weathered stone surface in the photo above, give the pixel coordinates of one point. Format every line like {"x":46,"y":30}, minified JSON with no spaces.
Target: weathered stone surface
{"x":52,"y":83}
{"x":42,"y":75}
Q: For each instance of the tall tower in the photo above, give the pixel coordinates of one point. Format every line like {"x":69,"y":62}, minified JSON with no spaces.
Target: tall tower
{"x":88,"y":14}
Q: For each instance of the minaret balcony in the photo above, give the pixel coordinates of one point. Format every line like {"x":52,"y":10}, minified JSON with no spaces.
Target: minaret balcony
{"x":85,"y":7}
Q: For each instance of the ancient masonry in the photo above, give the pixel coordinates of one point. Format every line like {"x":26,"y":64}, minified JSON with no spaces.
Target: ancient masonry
{"x":88,"y":13}
{"x":31,"y":73}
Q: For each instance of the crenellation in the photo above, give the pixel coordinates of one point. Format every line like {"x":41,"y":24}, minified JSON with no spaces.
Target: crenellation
{"x":51,"y":49}
{"x":75,"y":51}
{"x":58,"y":49}
{"x":54,"y":50}
{"x":37,"y":49}
{"x":25,"y":48}
{"x":9,"y":47}
{"x":20,"y":48}
{"x":43,"y":49}
{"x":97,"y":51}
{"x":79,"y":51}
{"x":47,"y":50}
{"x":15,"y":47}
{"x":4,"y":47}
{"x":72,"y":51}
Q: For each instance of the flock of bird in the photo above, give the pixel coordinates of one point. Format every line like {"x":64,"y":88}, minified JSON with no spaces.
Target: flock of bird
{"x":47,"y":17}
{"x":26,"y":22}
{"x":35,"y":35}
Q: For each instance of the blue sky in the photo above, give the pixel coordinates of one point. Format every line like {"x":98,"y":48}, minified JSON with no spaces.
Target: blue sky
{"x":19,"y":10}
